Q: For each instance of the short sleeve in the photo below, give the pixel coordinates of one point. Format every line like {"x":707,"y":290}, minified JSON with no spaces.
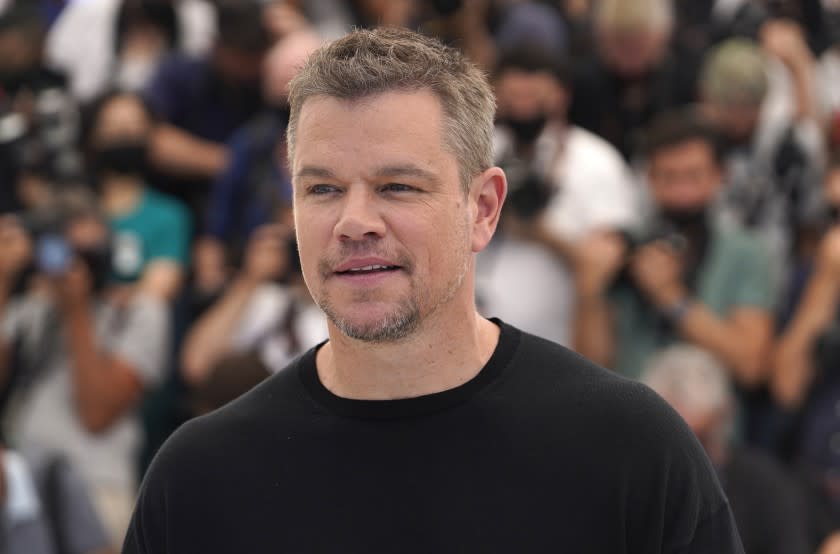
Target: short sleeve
{"x":754,"y":286}
{"x":142,"y":340}
{"x":165,"y":91}
{"x":171,"y":238}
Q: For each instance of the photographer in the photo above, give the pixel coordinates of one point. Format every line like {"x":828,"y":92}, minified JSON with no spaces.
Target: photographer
{"x":564,"y":182}
{"x":685,"y":278}
{"x":805,"y":377}
{"x":151,"y":230}
{"x":80,"y":359}
{"x":265,"y":310}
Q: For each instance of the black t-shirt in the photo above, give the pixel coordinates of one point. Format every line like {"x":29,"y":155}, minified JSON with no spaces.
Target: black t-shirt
{"x":540,"y":452}
{"x":769,"y":510}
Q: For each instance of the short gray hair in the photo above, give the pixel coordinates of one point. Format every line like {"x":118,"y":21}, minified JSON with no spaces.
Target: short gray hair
{"x":368,"y":62}
{"x":735,"y":73}
{"x":690,"y":377}
{"x":636,"y":15}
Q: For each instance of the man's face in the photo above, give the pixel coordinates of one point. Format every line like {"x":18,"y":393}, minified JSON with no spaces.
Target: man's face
{"x":685,"y":176}
{"x":737,"y":122}
{"x":632,"y":52}
{"x":122,"y":119}
{"x":383,"y":223}
{"x":523,"y":95}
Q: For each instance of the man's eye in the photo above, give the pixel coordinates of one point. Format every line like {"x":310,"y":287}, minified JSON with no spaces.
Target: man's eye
{"x":397,"y":187}
{"x":322,"y":189}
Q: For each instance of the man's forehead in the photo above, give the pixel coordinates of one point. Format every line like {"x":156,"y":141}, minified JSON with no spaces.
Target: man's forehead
{"x":372,"y":100}
{"x":390,"y":119}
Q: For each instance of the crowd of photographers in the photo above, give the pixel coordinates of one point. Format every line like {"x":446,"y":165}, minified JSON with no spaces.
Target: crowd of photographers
{"x":674,"y":192}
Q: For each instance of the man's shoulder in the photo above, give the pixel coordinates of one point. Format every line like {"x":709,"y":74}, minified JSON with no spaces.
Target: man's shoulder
{"x":577,"y":387}
{"x":268,"y":408}
{"x":620,"y":426}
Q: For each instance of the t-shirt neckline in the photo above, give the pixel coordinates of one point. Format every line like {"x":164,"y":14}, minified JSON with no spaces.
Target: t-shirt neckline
{"x":509,"y":338}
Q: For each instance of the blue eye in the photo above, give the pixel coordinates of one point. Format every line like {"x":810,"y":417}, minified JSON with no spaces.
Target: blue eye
{"x":322,"y":189}
{"x":397,"y":187}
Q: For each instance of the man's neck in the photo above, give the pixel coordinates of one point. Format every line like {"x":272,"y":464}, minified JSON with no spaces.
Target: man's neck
{"x":121,"y":195}
{"x":437,"y":357}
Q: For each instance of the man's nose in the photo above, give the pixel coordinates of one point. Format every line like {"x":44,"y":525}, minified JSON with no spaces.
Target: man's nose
{"x":360,"y":216}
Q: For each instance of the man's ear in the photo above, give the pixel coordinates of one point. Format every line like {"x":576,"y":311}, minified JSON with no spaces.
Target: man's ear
{"x":487,"y":194}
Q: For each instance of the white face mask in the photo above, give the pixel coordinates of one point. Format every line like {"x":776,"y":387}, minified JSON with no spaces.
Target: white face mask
{"x":133,"y":74}
{"x":21,"y":502}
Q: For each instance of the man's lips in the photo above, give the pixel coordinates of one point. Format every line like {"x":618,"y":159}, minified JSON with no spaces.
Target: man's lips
{"x":361,"y":266}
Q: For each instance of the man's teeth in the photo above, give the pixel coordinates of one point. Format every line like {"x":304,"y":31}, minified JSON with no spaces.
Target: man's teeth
{"x":370,"y":268}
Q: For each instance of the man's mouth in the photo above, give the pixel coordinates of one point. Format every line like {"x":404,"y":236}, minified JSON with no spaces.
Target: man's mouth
{"x":368,"y":269}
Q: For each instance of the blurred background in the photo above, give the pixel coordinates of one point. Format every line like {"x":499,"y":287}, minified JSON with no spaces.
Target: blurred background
{"x":674,"y":215}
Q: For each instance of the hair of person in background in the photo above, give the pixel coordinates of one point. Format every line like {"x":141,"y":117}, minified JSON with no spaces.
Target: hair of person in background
{"x":735,"y":74}
{"x":145,"y":13}
{"x":93,"y":112}
{"x":634,"y":15}
{"x":532,"y":24}
{"x":531,"y":58}
{"x":241,"y":26}
{"x":23,"y":18}
{"x":366,"y":63}
{"x":21,"y":39}
{"x":691,"y":379}
{"x":679,"y":126}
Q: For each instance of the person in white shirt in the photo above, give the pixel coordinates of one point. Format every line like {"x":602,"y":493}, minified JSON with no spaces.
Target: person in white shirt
{"x":565,"y":183}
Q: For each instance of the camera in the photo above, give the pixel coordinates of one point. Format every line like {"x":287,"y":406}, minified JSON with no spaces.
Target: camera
{"x":528,"y":192}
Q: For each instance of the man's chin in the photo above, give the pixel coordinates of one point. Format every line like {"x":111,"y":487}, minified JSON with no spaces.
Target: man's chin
{"x":376,"y":328}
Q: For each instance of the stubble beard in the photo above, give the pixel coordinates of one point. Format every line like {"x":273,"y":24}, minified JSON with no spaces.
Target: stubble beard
{"x":404,"y":320}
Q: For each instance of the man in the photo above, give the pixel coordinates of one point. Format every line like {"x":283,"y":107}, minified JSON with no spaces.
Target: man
{"x":255,"y":187}
{"x":151,"y":231}
{"x":80,"y":359}
{"x":774,"y":147}
{"x":633,"y":73}
{"x":766,"y":504}
{"x":421,"y":426}
{"x":265,"y":310}
{"x":201,"y":102}
{"x":564,"y":183}
{"x":686,"y":276}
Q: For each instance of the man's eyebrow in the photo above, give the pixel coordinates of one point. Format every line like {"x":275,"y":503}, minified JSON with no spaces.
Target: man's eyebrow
{"x":314,"y":171}
{"x":406,"y":170}
{"x":399,"y":170}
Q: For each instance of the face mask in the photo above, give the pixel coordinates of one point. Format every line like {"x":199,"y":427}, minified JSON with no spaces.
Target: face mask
{"x":125,"y":158}
{"x":134,"y":74}
{"x":685,"y":218}
{"x":12,"y":80}
{"x":528,"y":130}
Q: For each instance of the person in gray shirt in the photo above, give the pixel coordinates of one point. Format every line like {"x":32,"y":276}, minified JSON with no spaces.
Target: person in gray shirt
{"x":83,"y":357}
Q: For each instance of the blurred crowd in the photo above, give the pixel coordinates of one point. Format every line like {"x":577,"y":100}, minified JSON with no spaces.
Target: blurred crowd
{"x":673,"y":214}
